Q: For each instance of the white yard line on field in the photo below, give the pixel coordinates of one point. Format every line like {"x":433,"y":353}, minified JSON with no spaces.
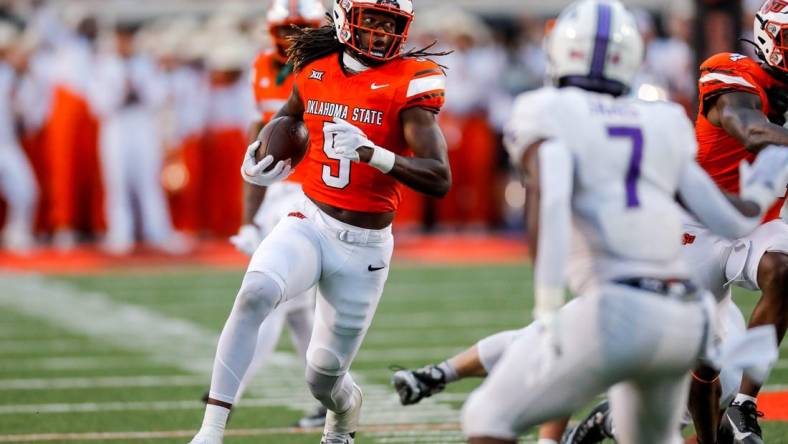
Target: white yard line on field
{"x":185,"y":345}
{"x":443,"y":433}
{"x":116,"y":381}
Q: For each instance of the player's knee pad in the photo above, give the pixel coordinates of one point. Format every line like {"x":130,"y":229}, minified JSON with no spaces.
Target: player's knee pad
{"x":324,"y":361}
{"x":481,"y":418}
{"x":328,"y":389}
{"x":259,"y":293}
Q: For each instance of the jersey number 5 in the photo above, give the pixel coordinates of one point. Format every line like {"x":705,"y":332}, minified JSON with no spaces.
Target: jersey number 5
{"x":635,"y":135}
{"x":342,"y":178}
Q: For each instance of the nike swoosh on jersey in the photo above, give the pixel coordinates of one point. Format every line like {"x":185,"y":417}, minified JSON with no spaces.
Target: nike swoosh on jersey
{"x":371,"y":268}
{"x":376,"y":86}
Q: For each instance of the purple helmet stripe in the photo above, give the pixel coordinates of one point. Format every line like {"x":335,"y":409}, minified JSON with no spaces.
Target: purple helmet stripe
{"x":601,"y":40}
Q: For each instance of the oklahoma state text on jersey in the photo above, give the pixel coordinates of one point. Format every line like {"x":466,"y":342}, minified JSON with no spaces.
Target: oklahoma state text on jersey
{"x":272,"y":84}
{"x":719,"y":153}
{"x":371,"y":100}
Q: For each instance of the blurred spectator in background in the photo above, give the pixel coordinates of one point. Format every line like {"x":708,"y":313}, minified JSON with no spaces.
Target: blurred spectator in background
{"x":127,"y":93}
{"x":668,"y":69}
{"x":72,"y":178}
{"x":181,"y":55}
{"x":17,"y":183}
{"x":194,"y":115}
{"x":230,"y":107}
{"x":475,"y":69}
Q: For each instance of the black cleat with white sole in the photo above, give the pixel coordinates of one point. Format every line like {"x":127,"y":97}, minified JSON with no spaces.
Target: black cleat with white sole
{"x":740,"y":423}
{"x":594,"y":428}
{"x":415,"y":385}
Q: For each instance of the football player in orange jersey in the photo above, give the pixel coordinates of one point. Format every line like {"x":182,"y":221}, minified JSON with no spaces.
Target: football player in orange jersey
{"x":272,"y":82}
{"x":741,"y":111}
{"x":370,"y":108}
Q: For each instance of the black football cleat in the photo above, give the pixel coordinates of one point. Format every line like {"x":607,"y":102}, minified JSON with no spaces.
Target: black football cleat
{"x":594,"y":428}
{"x":740,"y":423}
{"x":415,"y":385}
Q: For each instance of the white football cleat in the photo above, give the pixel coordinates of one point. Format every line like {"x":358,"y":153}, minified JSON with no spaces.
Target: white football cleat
{"x":207,"y":437}
{"x":341,"y":428}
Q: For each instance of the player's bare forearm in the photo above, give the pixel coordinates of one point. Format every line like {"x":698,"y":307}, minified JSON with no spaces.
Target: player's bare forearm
{"x":740,"y":115}
{"x":428,"y":171}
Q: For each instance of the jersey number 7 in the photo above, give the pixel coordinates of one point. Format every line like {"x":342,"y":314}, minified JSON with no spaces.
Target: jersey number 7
{"x":633,"y":171}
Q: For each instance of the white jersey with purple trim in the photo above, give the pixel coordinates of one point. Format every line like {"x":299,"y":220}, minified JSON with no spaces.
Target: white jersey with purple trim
{"x":628,"y":156}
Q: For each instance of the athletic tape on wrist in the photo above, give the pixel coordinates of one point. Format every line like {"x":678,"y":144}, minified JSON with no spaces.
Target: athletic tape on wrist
{"x":382,"y":159}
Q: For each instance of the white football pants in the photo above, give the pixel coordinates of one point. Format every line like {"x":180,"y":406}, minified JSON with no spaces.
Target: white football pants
{"x":307,"y":248}
{"x":298,"y":314}
{"x":640,"y":342}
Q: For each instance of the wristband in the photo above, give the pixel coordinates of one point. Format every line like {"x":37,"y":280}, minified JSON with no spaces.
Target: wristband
{"x":382,"y":159}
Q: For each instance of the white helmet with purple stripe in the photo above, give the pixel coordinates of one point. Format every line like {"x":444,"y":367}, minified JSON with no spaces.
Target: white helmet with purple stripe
{"x":595,"y":45}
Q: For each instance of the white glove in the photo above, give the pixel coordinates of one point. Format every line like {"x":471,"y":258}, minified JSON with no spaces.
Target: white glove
{"x":347,"y":139}
{"x":765,"y":180}
{"x":252,"y":170}
{"x":247,"y":239}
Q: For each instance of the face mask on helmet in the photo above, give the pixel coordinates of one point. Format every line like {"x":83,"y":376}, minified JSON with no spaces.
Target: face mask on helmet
{"x":770,"y":30}
{"x":376,"y":30}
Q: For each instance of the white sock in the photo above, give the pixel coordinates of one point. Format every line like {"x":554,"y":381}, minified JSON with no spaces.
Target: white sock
{"x":448,"y":371}
{"x":546,"y":441}
{"x":215,"y":418}
{"x":740,"y":398}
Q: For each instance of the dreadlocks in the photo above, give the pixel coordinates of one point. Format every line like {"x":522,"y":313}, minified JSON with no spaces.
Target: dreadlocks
{"x":310,"y":44}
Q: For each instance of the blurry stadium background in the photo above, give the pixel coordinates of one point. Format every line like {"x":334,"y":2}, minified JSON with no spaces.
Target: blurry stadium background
{"x":106,"y":339}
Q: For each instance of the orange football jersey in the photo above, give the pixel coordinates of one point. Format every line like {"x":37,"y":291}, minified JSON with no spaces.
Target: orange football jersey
{"x":719,"y":153}
{"x":272,"y":84}
{"x":371,"y":100}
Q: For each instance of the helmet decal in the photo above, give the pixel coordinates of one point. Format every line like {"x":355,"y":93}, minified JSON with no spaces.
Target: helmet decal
{"x":601,"y":40}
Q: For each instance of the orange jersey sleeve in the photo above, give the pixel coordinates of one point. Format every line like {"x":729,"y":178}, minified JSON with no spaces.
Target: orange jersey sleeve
{"x":372,"y":101}
{"x":719,"y":153}
{"x":272,"y":85}
{"x":729,"y":72}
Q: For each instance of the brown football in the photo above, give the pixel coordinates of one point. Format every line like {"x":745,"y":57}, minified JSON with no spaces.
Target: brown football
{"x":284,"y":138}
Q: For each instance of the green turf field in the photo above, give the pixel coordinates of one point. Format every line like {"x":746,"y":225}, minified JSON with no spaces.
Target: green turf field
{"x":124,"y":358}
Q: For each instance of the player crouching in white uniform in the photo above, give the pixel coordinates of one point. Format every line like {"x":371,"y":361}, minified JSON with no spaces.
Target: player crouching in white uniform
{"x":605,"y":170}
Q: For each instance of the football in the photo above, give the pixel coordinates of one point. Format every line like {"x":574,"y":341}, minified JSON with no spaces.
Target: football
{"x":284,"y":138}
